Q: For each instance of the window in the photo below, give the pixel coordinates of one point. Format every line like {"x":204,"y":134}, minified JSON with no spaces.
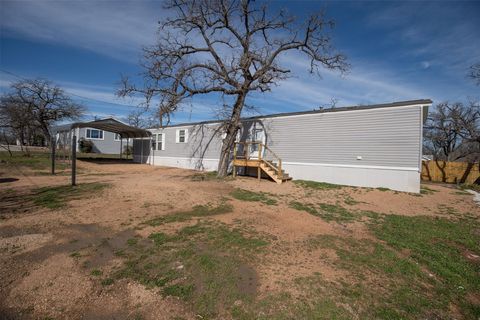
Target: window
{"x":158,"y":141}
{"x":117,"y":136}
{"x":94,"y":134}
{"x":154,"y":142}
{"x":182,"y":136}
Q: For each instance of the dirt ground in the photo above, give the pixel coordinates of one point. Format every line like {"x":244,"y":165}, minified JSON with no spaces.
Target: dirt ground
{"x":47,"y":271}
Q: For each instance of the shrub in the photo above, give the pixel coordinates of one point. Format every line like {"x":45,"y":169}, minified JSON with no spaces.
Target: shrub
{"x":85,"y":146}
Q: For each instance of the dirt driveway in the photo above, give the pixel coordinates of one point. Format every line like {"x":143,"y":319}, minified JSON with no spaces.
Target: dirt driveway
{"x":142,"y":242}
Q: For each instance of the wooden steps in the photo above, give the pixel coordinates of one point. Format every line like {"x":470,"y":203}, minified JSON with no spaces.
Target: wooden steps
{"x":275,"y":175}
{"x":272,"y":168}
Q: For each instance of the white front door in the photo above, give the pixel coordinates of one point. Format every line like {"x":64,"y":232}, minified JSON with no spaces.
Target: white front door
{"x":257,"y":134}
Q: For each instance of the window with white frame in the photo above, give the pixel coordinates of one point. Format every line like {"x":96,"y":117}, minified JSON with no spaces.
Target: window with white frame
{"x":182,"y":136}
{"x":154,"y":142}
{"x":158,"y":141}
{"x":161,"y":141}
{"x":118,"y":137}
{"x":94,"y":134}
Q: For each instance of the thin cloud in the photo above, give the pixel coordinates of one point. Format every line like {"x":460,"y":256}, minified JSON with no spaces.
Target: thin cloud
{"x":117,"y":29}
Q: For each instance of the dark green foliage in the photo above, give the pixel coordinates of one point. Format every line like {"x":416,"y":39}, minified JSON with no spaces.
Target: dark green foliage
{"x":85,"y":146}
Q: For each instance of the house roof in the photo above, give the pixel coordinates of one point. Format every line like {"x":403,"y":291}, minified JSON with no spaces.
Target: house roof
{"x":425,"y":102}
{"x":111,"y":125}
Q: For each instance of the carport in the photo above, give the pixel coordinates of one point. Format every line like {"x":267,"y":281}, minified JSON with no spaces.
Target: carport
{"x":115,"y":126}
{"x":111,"y":125}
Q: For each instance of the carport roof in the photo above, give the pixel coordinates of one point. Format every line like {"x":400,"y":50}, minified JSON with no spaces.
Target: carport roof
{"x":114,"y":126}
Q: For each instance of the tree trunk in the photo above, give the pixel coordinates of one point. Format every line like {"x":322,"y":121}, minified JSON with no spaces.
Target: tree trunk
{"x":231,"y":130}
{"x":46,"y":133}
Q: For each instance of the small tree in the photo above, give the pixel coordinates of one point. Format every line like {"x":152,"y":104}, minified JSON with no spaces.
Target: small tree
{"x":229,"y":48}
{"x":42,"y":102}
{"x":85,"y":146}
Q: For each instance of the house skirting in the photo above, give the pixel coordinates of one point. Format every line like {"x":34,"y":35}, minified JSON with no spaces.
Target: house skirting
{"x":185,"y":163}
{"x":395,"y":178}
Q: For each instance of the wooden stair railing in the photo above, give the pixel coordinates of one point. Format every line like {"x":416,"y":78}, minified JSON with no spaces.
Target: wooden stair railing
{"x":259,"y":158}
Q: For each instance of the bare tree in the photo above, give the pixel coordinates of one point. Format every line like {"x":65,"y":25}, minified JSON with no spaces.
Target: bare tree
{"x":475,"y":73}
{"x":136,"y":118}
{"x":42,"y":102}
{"x":452,"y":132}
{"x":228,"y":48}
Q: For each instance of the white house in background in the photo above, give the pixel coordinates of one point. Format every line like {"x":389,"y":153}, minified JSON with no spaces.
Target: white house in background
{"x":368,"y":146}
{"x":103,"y":141}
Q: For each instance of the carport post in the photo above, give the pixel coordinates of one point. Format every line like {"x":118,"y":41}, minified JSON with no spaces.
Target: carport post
{"x":53,"y":155}
{"x":120,"y":147}
{"x":74,"y":160}
{"x":141,"y":152}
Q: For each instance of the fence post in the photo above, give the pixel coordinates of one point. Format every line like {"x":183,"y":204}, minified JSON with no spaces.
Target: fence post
{"x":74,"y":160}
{"x":53,"y":154}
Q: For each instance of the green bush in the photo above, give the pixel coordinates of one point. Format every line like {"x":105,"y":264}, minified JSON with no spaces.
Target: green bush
{"x":85,"y":146}
{"x":128,"y":150}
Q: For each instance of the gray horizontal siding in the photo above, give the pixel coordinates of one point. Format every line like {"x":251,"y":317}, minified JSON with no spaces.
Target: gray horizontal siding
{"x":108,"y":145}
{"x":382,"y":137}
{"x":203,"y":142}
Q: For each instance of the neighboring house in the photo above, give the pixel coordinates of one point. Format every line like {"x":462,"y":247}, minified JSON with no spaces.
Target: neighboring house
{"x":103,"y":141}
{"x":369,"y":146}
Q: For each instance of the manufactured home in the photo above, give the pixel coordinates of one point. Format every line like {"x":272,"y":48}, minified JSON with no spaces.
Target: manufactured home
{"x":367,"y":146}
{"x":103,"y":141}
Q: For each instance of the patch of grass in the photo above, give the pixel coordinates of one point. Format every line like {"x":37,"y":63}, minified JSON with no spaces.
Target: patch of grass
{"x":444,"y":209}
{"x":310,"y":208}
{"x":283,"y":306}
{"x":159,"y":238}
{"x":246,"y":195}
{"x":427,"y":190}
{"x":383,"y":189}
{"x":442,"y":246}
{"x":204,"y":176}
{"x":463,"y":193}
{"x":34,"y":160}
{"x":58,"y":196}
{"x":177,"y":290}
{"x":350,"y":201}
{"x":333,"y":212}
{"x":132,"y":241}
{"x":204,"y":264}
{"x":381,"y":283}
{"x":475,"y":187}
{"x":317,"y":185}
{"x":107,"y":282}
{"x":96,"y":272}
{"x":75,"y":254}
{"x":328,"y":212}
{"x":196,"y":212}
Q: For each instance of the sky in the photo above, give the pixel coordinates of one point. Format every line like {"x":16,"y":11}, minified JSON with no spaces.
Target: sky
{"x":397,"y":51}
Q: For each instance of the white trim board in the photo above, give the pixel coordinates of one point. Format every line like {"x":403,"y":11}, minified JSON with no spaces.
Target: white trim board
{"x":351,"y":166}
